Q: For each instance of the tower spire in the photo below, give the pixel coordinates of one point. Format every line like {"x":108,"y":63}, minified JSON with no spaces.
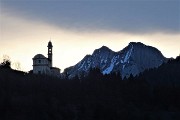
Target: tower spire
{"x":50,"y":52}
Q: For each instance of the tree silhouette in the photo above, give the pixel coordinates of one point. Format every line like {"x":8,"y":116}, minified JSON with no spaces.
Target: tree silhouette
{"x":6,"y":62}
{"x":153,"y":95}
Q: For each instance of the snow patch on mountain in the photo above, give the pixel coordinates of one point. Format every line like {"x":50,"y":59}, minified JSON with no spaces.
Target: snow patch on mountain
{"x":81,"y":66}
{"x":110,"y":68}
{"x":127,"y":56}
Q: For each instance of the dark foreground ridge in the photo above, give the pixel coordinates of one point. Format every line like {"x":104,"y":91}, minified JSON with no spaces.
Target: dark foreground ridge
{"x":153,"y":95}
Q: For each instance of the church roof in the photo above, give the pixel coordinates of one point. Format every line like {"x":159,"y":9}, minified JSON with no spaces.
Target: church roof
{"x":39,"y":56}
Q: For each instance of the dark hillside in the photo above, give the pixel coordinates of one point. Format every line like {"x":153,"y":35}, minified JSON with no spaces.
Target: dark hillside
{"x":153,"y":95}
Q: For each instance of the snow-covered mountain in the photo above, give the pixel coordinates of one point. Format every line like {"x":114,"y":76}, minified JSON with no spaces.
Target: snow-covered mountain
{"x":133,"y":59}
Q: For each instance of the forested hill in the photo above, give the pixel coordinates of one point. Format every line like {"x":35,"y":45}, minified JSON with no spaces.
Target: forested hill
{"x":153,"y":95}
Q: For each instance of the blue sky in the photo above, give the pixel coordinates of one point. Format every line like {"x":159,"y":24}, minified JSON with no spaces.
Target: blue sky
{"x":78,"y":27}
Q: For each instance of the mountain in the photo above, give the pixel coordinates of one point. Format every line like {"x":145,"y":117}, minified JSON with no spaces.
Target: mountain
{"x":133,"y":59}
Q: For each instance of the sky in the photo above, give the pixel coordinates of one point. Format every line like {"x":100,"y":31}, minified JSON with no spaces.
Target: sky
{"x":78,"y":27}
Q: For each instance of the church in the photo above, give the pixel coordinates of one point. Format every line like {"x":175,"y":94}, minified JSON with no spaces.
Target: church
{"x":43,"y":65}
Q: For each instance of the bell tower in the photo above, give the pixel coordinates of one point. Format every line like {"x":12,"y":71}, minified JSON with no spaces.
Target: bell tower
{"x":50,"y":52}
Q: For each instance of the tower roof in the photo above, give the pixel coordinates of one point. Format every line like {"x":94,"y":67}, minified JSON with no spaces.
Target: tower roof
{"x":50,"y":44}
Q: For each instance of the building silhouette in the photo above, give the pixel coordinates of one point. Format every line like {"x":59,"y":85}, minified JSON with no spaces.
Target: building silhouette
{"x":43,"y":65}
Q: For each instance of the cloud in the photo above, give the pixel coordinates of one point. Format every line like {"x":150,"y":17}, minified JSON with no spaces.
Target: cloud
{"x":128,"y":16}
{"x":23,"y":36}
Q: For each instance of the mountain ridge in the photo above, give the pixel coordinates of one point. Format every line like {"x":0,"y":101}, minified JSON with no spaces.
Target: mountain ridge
{"x":133,"y":59}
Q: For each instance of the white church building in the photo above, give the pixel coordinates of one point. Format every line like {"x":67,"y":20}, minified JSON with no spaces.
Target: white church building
{"x":43,"y":65}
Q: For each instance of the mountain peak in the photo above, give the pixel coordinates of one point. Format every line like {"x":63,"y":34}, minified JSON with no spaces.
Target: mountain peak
{"x":137,"y":43}
{"x":133,"y":59}
{"x":142,"y":45}
{"x":102,"y":50}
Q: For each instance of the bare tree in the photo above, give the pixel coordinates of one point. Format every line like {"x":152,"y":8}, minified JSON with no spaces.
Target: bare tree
{"x":6,"y":63}
{"x":17,"y":65}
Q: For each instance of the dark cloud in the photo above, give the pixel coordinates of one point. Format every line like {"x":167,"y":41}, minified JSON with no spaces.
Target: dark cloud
{"x":128,"y":16}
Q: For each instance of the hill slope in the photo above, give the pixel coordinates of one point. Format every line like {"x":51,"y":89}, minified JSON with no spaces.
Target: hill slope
{"x":153,"y":95}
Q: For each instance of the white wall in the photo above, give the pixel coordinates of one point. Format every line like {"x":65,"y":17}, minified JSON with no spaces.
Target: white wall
{"x":41,"y":65}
